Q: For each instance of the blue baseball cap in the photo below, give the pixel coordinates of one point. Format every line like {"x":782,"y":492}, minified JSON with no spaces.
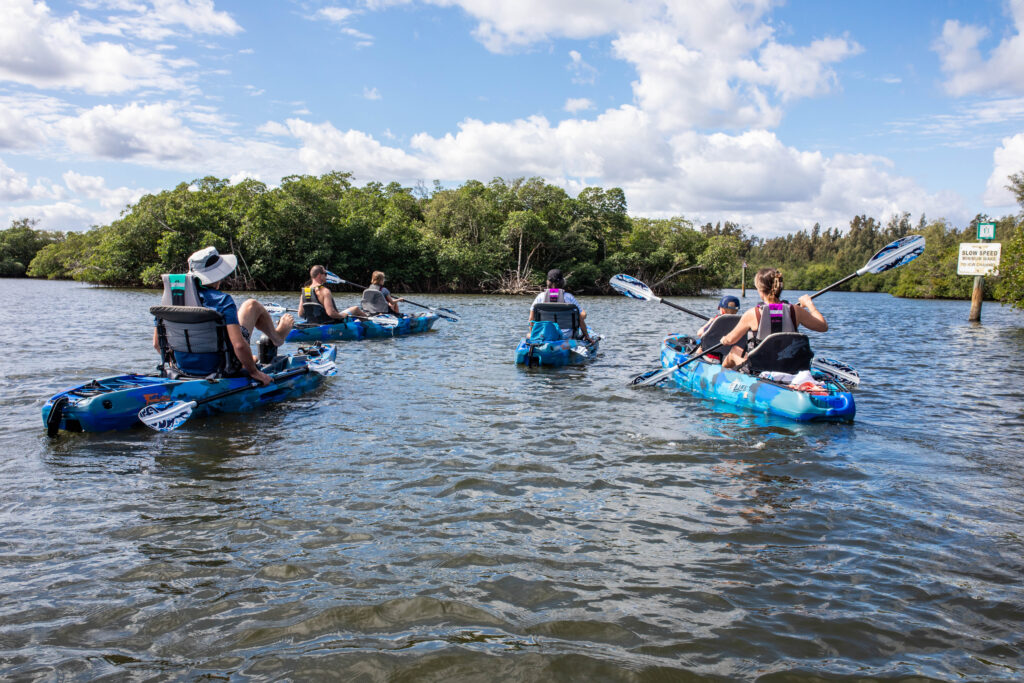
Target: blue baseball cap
{"x":729,"y":302}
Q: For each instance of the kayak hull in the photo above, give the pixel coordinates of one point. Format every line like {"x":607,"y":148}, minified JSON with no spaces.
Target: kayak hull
{"x":356,"y":330}
{"x":113,"y":403}
{"x":711,"y":381}
{"x":555,"y":354}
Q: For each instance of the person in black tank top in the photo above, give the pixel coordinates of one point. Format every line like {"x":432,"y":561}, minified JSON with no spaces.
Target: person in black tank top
{"x":769,"y":287}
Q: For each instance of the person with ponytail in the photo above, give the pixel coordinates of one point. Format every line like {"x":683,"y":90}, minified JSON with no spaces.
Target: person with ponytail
{"x":770,"y":316}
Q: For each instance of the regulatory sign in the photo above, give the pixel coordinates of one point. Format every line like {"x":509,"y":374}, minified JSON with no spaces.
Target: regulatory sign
{"x":986,"y":231}
{"x":979,"y":258}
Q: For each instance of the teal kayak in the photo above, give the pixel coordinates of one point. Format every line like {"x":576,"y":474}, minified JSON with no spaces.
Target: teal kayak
{"x":113,"y":403}
{"x":355,"y":330}
{"x":556,"y":353}
{"x":828,"y":401}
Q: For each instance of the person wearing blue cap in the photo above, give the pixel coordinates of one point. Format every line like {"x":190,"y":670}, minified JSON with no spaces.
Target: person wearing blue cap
{"x":728,"y":305}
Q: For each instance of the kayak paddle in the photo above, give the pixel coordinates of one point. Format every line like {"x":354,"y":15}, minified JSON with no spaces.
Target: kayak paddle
{"x":837,"y":371}
{"x":447,"y":314}
{"x":656,"y":376}
{"x":382,"y":319}
{"x":635,"y":289}
{"x":892,"y":255}
{"x":169,"y":415}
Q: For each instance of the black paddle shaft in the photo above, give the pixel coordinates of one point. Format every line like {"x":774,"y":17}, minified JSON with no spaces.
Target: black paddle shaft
{"x":253,"y":385}
{"x":685,"y":310}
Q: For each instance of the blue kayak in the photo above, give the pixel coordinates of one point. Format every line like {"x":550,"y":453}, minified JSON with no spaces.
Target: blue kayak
{"x":114,"y":402}
{"x":355,"y":330}
{"x":556,"y":353}
{"x":829,"y":403}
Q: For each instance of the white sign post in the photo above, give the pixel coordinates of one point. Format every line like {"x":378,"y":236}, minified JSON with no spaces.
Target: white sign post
{"x":978,"y":259}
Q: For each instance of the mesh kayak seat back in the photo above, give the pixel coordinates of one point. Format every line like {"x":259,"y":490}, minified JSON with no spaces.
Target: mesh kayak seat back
{"x":191,"y":328}
{"x":315,"y":313}
{"x":720,"y":326}
{"x":374,"y":302}
{"x":566,"y":316}
{"x":788,"y":352}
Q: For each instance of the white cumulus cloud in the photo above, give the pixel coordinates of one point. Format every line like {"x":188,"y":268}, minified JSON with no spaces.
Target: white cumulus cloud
{"x":968,"y":71}
{"x":1007,"y":159}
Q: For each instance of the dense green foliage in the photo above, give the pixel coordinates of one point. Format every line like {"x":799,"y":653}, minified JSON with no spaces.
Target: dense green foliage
{"x":20,"y":243}
{"x":812,"y":260}
{"x":1011,"y":281}
{"x":500,"y":236}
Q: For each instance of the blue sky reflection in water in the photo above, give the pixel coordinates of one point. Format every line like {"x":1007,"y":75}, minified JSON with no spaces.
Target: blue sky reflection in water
{"x":437,"y":509}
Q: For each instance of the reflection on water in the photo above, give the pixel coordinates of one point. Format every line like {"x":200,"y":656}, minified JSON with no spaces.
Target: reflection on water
{"x":437,"y":512}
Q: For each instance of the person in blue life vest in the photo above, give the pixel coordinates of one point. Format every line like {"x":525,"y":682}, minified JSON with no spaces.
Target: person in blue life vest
{"x":210,"y":268}
{"x":376,"y":300}
{"x":728,"y":305}
{"x":319,"y":295}
{"x":771,"y":315}
{"x":555,"y":294}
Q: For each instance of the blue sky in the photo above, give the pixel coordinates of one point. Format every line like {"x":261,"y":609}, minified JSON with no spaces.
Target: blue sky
{"x":775,"y":115}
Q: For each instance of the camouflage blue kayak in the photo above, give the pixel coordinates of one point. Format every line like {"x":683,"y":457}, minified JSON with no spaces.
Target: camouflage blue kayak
{"x":355,"y":330}
{"x":826,"y":400}
{"x":556,"y":353}
{"x":114,"y":403}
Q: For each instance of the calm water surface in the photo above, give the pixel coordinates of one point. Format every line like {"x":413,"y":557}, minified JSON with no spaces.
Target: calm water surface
{"x":437,"y":513}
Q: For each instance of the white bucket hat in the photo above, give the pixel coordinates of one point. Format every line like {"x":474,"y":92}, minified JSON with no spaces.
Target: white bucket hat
{"x":209,"y":266}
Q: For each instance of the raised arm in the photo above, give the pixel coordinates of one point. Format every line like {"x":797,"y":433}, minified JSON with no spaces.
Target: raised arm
{"x":809,"y":316}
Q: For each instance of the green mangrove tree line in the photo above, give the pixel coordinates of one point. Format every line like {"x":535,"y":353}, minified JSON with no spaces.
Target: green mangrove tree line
{"x":501,"y":236}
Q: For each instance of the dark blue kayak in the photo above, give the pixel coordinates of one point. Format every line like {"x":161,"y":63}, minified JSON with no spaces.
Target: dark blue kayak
{"x":114,"y":402}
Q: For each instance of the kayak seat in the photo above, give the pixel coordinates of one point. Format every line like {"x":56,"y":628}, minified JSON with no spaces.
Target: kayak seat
{"x":720,"y":326}
{"x":788,"y":352}
{"x":566,"y":316}
{"x":193,"y":330}
{"x":374,"y":302}
{"x":315,"y":313}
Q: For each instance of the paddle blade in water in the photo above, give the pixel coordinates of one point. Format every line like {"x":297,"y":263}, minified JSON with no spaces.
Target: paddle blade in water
{"x":895,"y":254}
{"x":838,"y":371}
{"x":166,"y":416}
{"x":650,"y":377}
{"x":326,"y":368}
{"x":631,"y":287}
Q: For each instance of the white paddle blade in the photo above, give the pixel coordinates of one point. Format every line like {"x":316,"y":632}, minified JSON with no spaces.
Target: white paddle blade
{"x":631,"y":287}
{"x":333,"y":279}
{"x":166,"y":416}
{"x":895,"y":254}
{"x":326,"y":368}
{"x":275,"y":309}
{"x":837,"y":370}
{"x":385,"y":320}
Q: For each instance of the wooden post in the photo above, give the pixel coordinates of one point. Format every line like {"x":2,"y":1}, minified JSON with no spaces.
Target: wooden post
{"x":976,"y":298}
{"x":743,"y":281}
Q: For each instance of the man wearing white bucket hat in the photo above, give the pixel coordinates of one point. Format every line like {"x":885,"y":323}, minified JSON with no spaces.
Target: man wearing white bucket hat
{"x":210,"y":268}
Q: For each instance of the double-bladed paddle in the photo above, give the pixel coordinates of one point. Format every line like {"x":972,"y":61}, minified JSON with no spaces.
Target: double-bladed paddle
{"x":655,"y":376}
{"x":169,"y":415}
{"x":446,"y":313}
{"x":892,"y":255}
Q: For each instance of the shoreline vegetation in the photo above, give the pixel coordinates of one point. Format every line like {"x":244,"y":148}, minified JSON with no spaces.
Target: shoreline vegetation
{"x":495,"y":238}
